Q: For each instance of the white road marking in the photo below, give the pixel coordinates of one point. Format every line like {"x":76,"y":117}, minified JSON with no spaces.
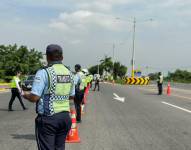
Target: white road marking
{"x":181,"y":108}
{"x":121,"y":99}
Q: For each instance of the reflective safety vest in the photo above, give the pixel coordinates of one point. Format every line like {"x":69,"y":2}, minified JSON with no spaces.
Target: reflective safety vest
{"x":83,"y":81}
{"x":56,"y":98}
{"x":86,"y":81}
{"x":91,"y":77}
{"x":13,"y":82}
{"x":160,"y":79}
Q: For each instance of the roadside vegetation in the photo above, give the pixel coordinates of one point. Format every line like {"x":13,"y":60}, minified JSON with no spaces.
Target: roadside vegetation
{"x":180,"y":76}
{"x":109,"y":70}
{"x":18,"y":58}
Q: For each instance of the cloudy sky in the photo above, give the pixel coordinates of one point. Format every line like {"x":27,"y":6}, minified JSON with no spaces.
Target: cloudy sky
{"x":87,"y":29}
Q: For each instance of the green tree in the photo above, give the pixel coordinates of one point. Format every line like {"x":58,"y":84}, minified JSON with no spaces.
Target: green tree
{"x":107,"y":64}
{"x":153,"y":76}
{"x":94,"y":69}
{"x":180,"y":76}
{"x":119,"y":70}
{"x":14,"y":58}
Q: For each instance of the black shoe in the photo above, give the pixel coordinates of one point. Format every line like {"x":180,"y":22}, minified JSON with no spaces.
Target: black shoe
{"x":25,"y":108}
{"x":10,"y":110}
{"x":79,"y":121}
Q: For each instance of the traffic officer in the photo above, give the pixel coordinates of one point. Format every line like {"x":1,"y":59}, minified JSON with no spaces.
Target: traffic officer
{"x":16,"y":91}
{"x":160,"y":83}
{"x":79,"y":91}
{"x":91,"y":80}
{"x":97,"y":82}
{"x":52,"y":89}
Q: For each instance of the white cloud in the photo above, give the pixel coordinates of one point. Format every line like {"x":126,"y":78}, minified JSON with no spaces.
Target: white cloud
{"x":86,"y":20}
{"x":102,"y":5}
{"x":75,"y":42}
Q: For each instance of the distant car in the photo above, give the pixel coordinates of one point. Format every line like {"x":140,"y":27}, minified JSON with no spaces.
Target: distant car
{"x":27,"y":84}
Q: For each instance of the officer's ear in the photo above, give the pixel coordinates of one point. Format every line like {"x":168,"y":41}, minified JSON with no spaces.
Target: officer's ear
{"x":48,"y":58}
{"x":61,"y":57}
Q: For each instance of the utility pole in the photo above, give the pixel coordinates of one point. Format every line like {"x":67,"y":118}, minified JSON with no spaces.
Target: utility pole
{"x":133,"y":48}
{"x":98,"y":68}
{"x":113,"y":51}
{"x":113,"y":56}
{"x":133,"y":54}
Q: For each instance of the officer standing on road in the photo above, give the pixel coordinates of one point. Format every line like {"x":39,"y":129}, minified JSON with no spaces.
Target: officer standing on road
{"x":79,"y":91}
{"x":52,"y":89}
{"x":91,"y":80}
{"x":160,"y":82}
{"x":16,"y":91}
{"x":96,"y":82}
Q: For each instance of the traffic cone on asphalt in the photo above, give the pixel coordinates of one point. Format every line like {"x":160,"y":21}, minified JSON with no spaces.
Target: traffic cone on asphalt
{"x":82,"y":109}
{"x":88,"y":87}
{"x":72,"y":136}
{"x":168,"y":89}
{"x":85,"y":95}
{"x":85,"y":98}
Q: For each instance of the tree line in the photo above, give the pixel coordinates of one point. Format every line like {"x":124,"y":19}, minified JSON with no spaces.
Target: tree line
{"x":106,"y":65}
{"x":15,"y":58}
{"x":182,"y":76}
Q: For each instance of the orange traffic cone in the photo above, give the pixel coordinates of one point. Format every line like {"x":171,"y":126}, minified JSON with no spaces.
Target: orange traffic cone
{"x":168,"y":89}
{"x":85,"y":96}
{"x":88,"y":87}
{"x":72,"y":136}
{"x":82,"y":109}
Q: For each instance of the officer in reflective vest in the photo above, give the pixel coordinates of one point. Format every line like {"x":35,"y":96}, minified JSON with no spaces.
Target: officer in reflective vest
{"x":79,"y":91}
{"x":160,"y":83}
{"x":91,"y":80}
{"x":52,"y":89}
{"x":16,"y":91}
{"x":97,"y":78}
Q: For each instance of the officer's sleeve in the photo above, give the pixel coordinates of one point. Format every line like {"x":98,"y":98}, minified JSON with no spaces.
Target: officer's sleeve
{"x":39,"y":83}
{"x":75,"y":78}
{"x":72,"y":91}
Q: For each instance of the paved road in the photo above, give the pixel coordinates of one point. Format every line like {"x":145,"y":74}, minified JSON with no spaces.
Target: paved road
{"x":145,"y":121}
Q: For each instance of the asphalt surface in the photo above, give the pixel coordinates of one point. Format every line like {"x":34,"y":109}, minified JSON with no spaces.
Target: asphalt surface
{"x":145,"y":121}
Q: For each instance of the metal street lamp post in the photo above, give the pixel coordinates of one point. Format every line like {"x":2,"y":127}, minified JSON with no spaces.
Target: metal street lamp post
{"x":133,"y":47}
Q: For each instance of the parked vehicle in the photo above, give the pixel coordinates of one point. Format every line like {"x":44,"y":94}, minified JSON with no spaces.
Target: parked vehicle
{"x":27,"y":84}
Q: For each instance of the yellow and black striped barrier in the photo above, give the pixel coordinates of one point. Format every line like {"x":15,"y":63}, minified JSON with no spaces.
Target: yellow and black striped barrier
{"x":137,"y":81}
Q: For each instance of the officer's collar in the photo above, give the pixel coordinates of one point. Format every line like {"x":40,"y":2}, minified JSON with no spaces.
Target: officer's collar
{"x":53,"y":63}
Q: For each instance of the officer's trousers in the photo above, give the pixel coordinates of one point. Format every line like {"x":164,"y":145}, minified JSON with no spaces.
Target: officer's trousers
{"x":78,"y":101}
{"x":51,"y":131}
{"x":15,"y":93}
{"x":96,"y":85}
{"x":160,"y":90}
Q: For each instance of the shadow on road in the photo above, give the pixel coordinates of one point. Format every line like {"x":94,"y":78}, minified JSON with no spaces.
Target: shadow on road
{"x":24,"y":136}
{"x":3,"y":109}
{"x":150,"y":93}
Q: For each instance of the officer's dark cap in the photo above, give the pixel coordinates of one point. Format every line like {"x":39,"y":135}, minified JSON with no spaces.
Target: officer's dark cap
{"x":77,"y":66}
{"x":54,"y":50}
